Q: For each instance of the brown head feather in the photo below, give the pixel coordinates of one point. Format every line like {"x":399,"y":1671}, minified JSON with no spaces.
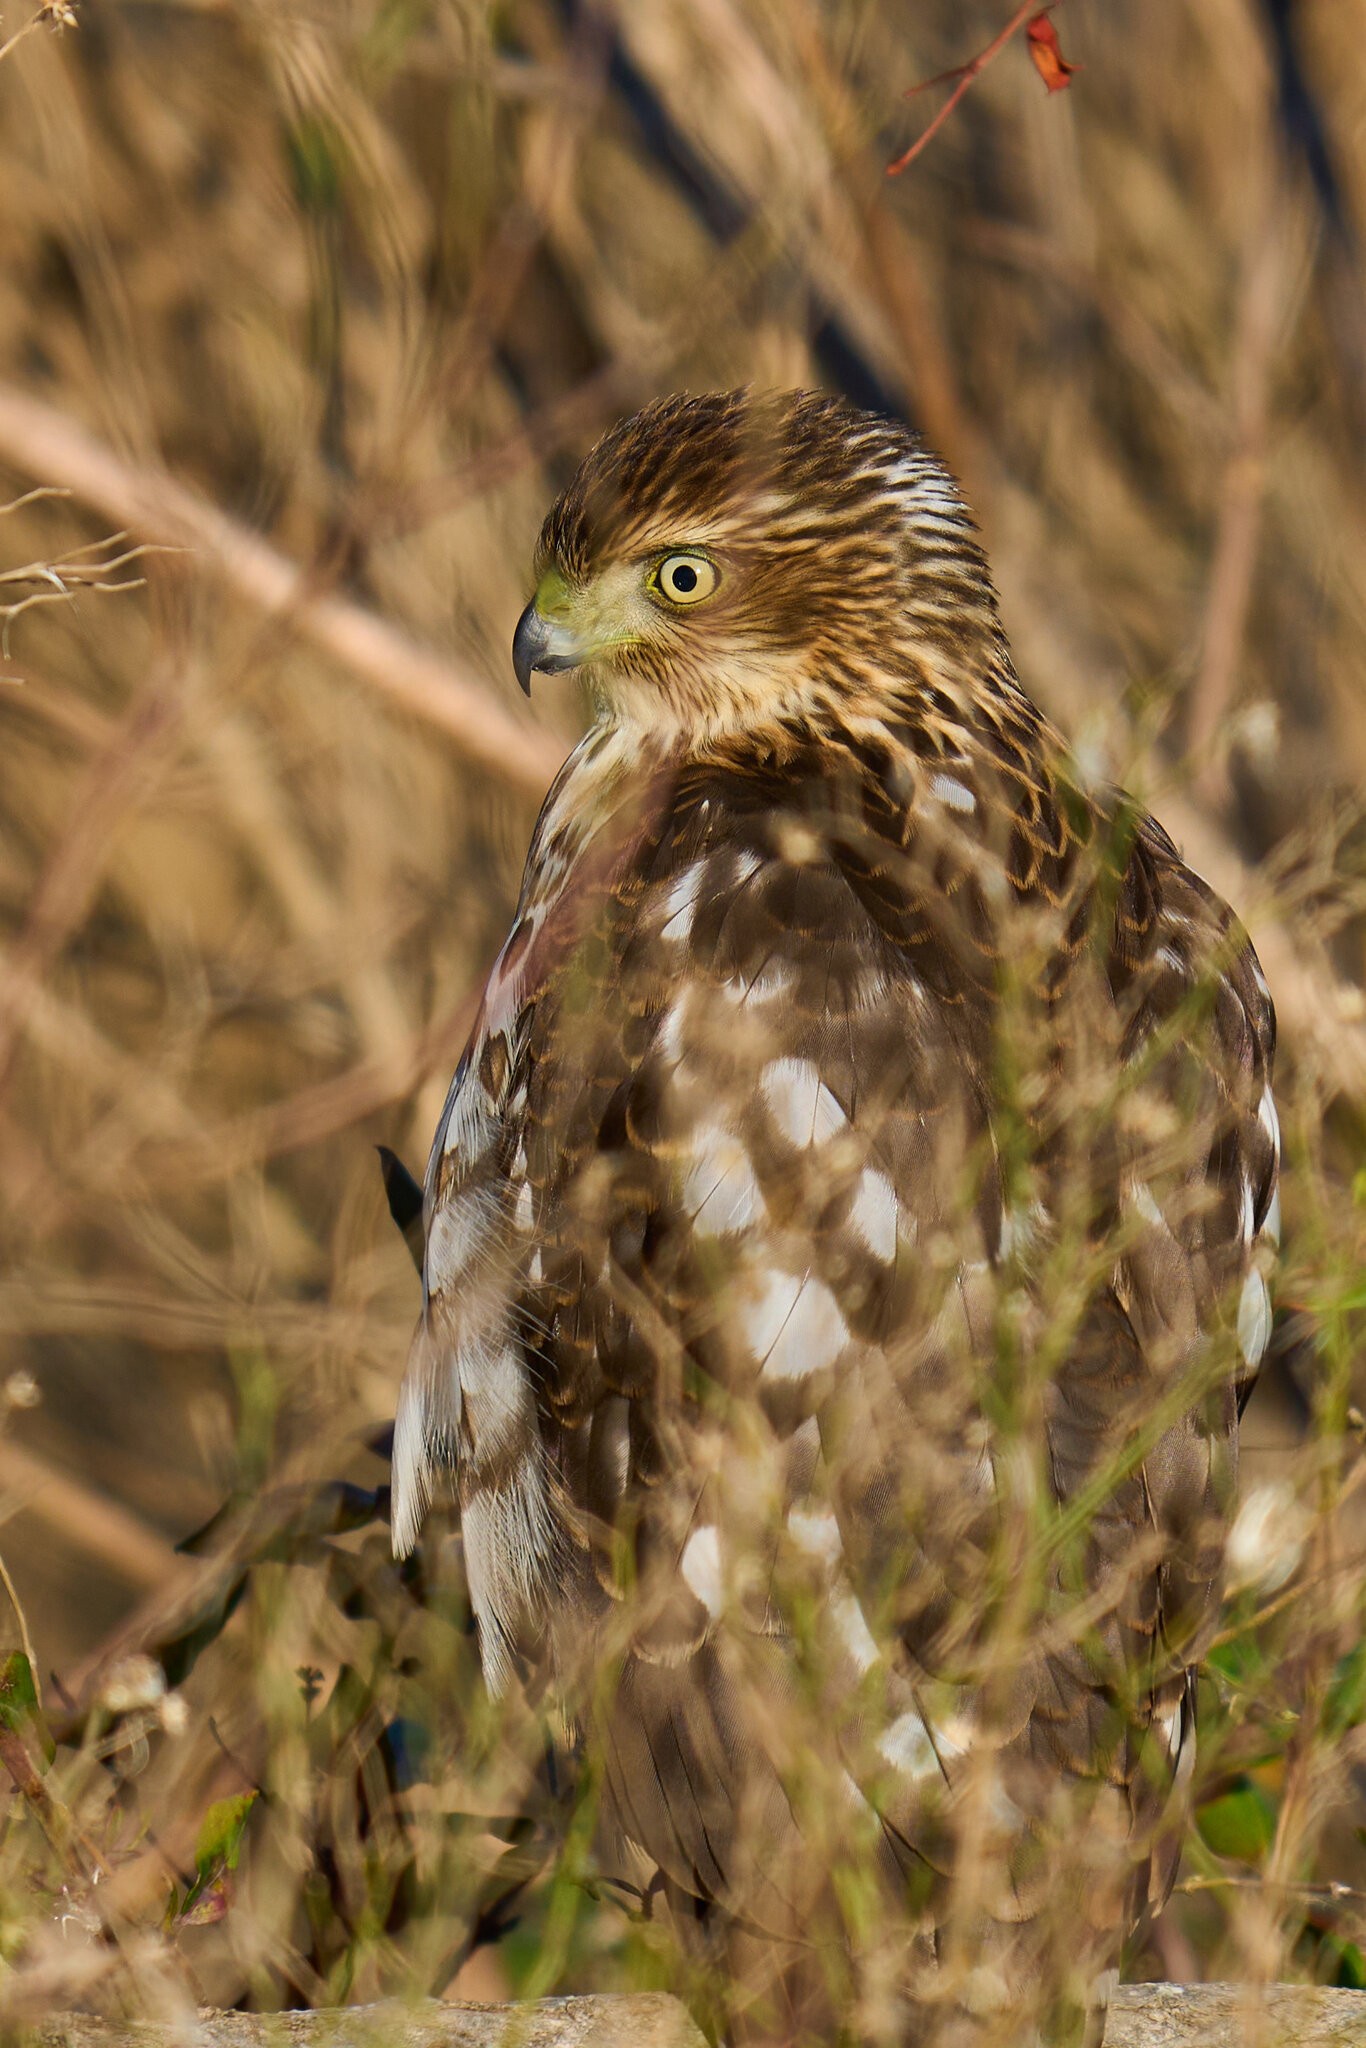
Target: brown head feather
{"x":850,"y":572}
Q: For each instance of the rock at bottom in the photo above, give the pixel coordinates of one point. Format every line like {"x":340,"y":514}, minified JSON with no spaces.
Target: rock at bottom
{"x":1235,"y":2016}
{"x":1141,"y":2016}
{"x":648,"y":2021}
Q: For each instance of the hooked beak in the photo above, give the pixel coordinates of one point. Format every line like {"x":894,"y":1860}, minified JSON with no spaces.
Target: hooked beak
{"x":544,"y":644}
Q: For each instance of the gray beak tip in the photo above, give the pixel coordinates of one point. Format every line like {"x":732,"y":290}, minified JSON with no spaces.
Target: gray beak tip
{"x":527,"y":642}
{"x":544,"y":644}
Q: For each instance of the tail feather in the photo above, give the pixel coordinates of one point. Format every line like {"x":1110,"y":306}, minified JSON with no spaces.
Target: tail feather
{"x":426,"y":1431}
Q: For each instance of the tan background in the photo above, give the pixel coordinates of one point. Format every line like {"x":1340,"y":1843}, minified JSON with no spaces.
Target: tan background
{"x":363,"y":281}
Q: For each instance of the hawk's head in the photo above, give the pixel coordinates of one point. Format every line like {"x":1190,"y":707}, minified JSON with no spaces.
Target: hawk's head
{"x":724,"y":562}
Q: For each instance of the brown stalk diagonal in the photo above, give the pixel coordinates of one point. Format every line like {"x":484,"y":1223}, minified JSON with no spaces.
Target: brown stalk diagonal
{"x":77,"y":1512}
{"x":1260,"y":320}
{"x":41,"y":442}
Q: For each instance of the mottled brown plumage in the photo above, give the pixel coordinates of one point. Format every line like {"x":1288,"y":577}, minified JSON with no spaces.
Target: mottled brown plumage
{"x":845,"y":1236}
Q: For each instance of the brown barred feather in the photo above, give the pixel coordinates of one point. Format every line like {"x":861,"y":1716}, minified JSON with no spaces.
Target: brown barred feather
{"x":847,"y":1236}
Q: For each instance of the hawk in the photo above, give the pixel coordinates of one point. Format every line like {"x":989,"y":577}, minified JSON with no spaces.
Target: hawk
{"x":846,"y":1248}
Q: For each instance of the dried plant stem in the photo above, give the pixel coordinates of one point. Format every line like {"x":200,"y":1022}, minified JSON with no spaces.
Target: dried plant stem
{"x":61,"y":580}
{"x":965,"y":74}
{"x":1241,"y":495}
{"x":36,"y":496}
{"x":1327,"y":1894}
{"x":38,"y":439}
{"x":895,"y":275}
{"x":34,"y":21}
{"x":53,"y":13}
{"x":889,"y":266}
{"x":101,"y":1528}
{"x":21,"y":1623}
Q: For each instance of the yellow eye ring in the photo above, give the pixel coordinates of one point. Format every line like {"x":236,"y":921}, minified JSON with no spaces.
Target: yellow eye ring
{"x":684,"y":579}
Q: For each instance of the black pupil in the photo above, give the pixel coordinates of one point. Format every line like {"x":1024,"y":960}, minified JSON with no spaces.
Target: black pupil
{"x":683,"y":576}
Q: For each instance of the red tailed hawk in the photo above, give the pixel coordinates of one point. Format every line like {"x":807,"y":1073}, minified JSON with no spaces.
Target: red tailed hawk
{"x":846,"y":1245}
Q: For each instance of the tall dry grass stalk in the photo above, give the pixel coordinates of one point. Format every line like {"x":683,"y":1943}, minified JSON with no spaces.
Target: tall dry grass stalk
{"x":312,"y":309}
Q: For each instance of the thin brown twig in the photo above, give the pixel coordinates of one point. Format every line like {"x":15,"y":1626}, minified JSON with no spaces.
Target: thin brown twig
{"x":1333,"y":1892}
{"x":57,"y":13}
{"x":72,"y":561}
{"x":34,"y":21}
{"x":69,"y":576}
{"x":37,"y":438}
{"x":965,"y":74}
{"x":62,"y":594}
{"x":889,"y":262}
{"x":33,"y":497}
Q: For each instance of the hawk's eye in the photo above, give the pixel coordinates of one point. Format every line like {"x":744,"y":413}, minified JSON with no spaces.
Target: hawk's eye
{"x":684,"y":579}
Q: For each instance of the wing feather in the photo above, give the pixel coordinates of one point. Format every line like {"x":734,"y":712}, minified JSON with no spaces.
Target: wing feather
{"x":715,"y":1282}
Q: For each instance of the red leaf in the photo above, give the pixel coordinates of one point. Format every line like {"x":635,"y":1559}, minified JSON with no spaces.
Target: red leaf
{"x":1052,"y":67}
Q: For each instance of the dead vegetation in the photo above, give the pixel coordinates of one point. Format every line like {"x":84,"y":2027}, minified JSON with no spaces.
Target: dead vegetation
{"x":304,"y":314}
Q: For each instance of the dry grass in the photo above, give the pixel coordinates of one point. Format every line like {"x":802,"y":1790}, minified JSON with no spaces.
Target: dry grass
{"x":322,"y":303}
